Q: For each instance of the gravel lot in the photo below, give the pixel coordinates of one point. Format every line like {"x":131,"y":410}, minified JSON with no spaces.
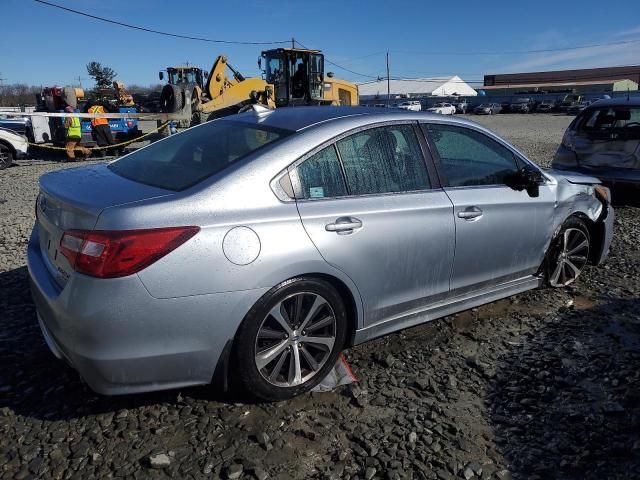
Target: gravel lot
{"x":543,"y":385}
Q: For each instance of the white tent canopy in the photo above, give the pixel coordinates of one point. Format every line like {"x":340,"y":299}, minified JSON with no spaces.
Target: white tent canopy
{"x":437,"y":87}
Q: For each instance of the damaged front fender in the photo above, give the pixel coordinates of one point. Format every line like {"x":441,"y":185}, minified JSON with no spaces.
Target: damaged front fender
{"x":577,"y":196}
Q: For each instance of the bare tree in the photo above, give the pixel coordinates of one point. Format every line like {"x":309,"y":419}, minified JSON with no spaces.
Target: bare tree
{"x":101,"y":74}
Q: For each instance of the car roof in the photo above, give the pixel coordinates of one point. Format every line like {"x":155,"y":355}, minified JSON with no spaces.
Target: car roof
{"x":617,"y":102}
{"x":300,"y":118}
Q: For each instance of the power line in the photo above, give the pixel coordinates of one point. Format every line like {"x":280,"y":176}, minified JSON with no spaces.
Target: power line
{"x":340,"y":66}
{"x":158,"y":32}
{"x":521,"y":52}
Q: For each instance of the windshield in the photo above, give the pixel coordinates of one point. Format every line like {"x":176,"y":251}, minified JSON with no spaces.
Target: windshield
{"x":186,"y":159}
{"x":438,"y":105}
{"x":612,"y":123}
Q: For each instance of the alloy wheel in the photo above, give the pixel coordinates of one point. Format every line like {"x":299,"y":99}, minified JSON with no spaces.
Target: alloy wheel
{"x":295,"y":339}
{"x":571,"y":258}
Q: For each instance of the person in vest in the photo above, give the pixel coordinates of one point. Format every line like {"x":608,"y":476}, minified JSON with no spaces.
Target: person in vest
{"x":73,"y":135}
{"x":100,"y":126}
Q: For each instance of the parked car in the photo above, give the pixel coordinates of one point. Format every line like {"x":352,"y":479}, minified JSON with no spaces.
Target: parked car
{"x":577,"y":108}
{"x":521,"y":105}
{"x":20,"y":125}
{"x":461,"y":106}
{"x":487,"y":109}
{"x":604,"y":141}
{"x":442,"y":108}
{"x":546,"y":106}
{"x":12,"y":146}
{"x":568,"y":101}
{"x":412,"y":105}
{"x":261,"y":245}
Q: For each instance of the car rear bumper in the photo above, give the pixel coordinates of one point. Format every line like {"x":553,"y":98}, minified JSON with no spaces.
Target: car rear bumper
{"x":122,"y":340}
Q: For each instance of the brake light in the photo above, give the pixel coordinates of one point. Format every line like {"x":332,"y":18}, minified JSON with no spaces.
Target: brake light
{"x":112,"y":254}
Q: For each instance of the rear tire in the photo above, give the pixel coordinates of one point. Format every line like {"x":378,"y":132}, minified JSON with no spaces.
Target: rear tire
{"x":568,"y":254}
{"x":171,"y":99}
{"x":290,"y":339}
{"x":6,"y":156}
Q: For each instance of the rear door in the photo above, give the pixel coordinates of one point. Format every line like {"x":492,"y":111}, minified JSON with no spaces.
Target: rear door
{"x":501,"y":233}
{"x":372,"y":211}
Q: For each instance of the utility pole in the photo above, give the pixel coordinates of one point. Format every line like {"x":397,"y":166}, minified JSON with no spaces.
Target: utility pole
{"x":293,"y":42}
{"x":388,"y":82}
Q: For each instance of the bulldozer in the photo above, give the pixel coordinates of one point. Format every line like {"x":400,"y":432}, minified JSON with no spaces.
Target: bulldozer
{"x":292,"y":77}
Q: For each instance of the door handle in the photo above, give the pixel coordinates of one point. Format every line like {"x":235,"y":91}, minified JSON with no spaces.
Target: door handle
{"x":470,"y":213}
{"x":343,"y":225}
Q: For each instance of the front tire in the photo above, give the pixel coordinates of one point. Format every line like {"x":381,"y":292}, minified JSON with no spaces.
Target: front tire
{"x":290,"y":339}
{"x":568,"y":253}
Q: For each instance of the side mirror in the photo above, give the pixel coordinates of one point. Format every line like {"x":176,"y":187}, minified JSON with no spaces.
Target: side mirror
{"x":259,"y":63}
{"x":161,"y":75}
{"x":206,"y":74}
{"x":526,"y":179}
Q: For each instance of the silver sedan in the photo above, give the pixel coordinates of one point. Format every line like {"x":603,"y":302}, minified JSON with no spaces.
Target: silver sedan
{"x":255,"y":248}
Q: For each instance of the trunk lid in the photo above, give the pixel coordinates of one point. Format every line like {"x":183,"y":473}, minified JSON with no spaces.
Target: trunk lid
{"x":73,"y":200}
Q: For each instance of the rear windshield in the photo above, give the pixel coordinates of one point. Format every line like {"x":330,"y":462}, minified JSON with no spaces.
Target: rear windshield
{"x":184,"y":160}
{"x":612,"y":122}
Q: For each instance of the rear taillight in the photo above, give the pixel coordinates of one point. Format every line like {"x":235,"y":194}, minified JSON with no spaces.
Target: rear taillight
{"x":111,"y":254}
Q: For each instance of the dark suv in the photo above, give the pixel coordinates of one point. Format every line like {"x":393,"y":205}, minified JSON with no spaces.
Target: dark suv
{"x":604,"y":141}
{"x":521,"y":105}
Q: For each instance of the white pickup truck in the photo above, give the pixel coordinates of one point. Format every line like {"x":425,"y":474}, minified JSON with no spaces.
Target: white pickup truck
{"x":442,"y":108}
{"x":413,"y":105}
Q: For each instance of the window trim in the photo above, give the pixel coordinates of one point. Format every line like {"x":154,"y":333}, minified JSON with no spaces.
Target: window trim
{"x":427,"y":160}
{"x":520,"y":159}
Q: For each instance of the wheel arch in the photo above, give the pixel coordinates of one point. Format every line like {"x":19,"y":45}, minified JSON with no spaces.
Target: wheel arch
{"x":9,"y":146}
{"x":348,"y":298}
{"x":596,"y":234}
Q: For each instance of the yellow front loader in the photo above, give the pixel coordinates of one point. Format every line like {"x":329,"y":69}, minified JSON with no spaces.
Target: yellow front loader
{"x":291,"y":77}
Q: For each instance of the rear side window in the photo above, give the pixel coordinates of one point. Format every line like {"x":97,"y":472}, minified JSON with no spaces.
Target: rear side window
{"x":320,"y":176}
{"x":383,"y":160}
{"x":611,"y":123}
{"x":184,"y":160}
{"x":471,"y":158}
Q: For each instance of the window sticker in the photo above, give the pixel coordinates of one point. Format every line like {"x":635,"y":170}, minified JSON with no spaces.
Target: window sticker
{"x":316,"y":192}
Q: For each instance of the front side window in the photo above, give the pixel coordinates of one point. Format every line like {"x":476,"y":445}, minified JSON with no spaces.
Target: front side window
{"x":383,"y":160}
{"x":319,"y":176}
{"x":471,"y":158}
{"x":186,"y":159}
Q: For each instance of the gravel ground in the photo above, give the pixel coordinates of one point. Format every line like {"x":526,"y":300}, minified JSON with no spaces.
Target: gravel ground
{"x":543,"y":385}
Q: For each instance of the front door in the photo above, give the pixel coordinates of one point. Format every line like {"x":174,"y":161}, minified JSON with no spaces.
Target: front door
{"x":368,"y":206}
{"x":501,"y":233}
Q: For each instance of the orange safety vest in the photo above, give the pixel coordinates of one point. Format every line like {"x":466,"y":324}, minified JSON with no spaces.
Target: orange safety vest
{"x":98,"y":121}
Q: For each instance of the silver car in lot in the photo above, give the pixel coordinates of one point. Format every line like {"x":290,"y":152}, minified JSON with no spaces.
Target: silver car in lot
{"x":256,"y":247}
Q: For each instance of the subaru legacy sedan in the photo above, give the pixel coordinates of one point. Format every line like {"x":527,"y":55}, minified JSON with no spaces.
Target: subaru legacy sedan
{"x":255,"y":248}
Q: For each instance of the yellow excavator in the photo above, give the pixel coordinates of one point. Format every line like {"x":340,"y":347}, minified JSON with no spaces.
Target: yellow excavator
{"x":291,"y":77}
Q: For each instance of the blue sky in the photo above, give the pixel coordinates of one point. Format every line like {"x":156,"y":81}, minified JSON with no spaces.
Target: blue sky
{"x":46,"y":46}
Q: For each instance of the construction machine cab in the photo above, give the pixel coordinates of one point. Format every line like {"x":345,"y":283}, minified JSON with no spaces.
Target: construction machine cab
{"x":297,"y":75}
{"x":182,"y":75}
